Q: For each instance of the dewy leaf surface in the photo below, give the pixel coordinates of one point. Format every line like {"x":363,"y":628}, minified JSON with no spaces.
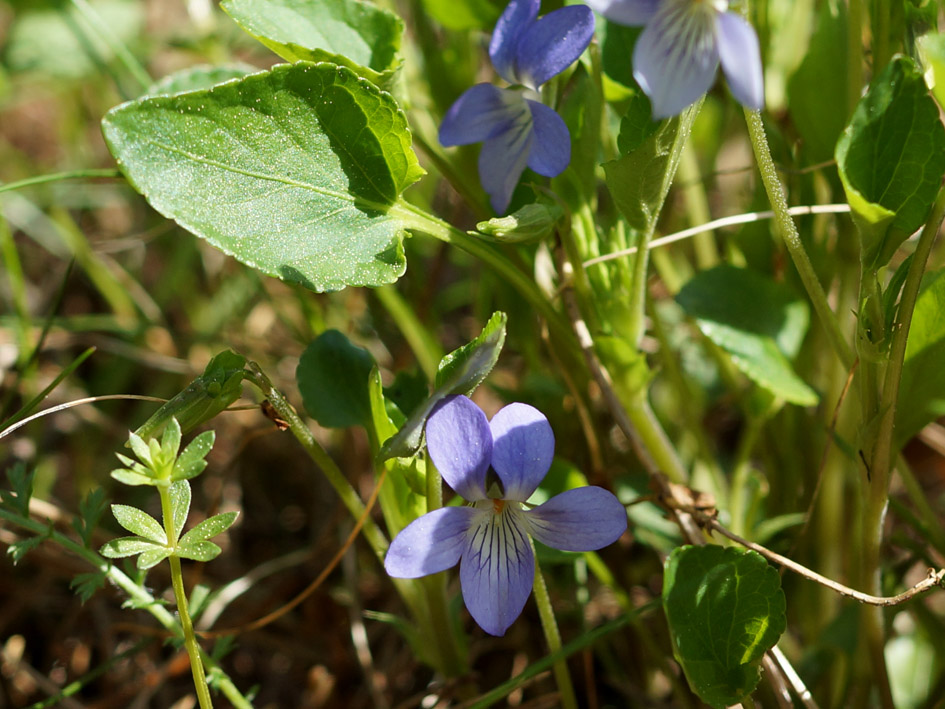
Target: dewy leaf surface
{"x":292,"y":171}
{"x":922,"y":391}
{"x":891,"y":158}
{"x":759,"y":322}
{"x":356,"y":34}
{"x":725,"y":609}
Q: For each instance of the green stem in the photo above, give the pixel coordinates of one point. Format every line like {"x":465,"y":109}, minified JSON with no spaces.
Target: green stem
{"x":180,"y":596}
{"x":697,"y":207}
{"x":143,"y":599}
{"x":59,"y":176}
{"x":881,"y":28}
{"x":655,"y":440}
{"x":425,"y":347}
{"x":854,"y":54}
{"x":740,"y":475}
{"x":349,"y":496}
{"x":883,"y":448}
{"x":882,"y":451}
{"x":792,"y":240}
{"x":567,"y":698}
{"x":415,"y":218}
{"x":106,"y":34}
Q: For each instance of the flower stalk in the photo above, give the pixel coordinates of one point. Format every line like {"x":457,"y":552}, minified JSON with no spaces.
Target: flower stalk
{"x":550,"y":627}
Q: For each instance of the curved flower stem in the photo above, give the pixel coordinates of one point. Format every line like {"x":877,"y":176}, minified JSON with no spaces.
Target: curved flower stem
{"x":180,"y":597}
{"x":414,"y":217}
{"x":553,"y":638}
{"x":332,"y":472}
{"x":792,"y":240}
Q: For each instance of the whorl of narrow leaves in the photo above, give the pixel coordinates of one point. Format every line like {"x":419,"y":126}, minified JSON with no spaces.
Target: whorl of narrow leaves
{"x":725,"y":609}
{"x":293,"y":171}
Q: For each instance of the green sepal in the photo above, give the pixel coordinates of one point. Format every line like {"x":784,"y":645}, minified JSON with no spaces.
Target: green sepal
{"x":533,"y":222}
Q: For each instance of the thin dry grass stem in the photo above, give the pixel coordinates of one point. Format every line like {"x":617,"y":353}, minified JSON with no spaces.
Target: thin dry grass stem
{"x":934,"y":577}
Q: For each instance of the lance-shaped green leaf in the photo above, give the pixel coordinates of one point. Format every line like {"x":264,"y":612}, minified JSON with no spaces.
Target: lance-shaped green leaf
{"x":198,"y":551}
{"x":205,"y":397}
{"x":210,"y":527}
{"x":129,"y":546}
{"x":152,"y":557}
{"x":139,"y":523}
{"x":351,"y":33}
{"x":192,"y":461}
{"x":759,"y":322}
{"x":333,"y":379}
{"x":891,"y":159}
{"x":180,"y":495}
{"x":460,"y":372}
{"x":725,"y":609}
{"x":295,"y":171}
{"x":639,"y":181}
{"x":922,"y":389}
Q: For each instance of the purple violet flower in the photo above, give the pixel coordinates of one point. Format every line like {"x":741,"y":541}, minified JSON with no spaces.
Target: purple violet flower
{"x":496,"y":466}
{"x":684,"y":41}
{"x":516,"y":130}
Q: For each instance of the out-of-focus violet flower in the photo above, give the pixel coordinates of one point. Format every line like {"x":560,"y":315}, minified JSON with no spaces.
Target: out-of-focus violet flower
{"x":496,"y":466}
{"x":516,"y":130}
{"x":684,"y":41}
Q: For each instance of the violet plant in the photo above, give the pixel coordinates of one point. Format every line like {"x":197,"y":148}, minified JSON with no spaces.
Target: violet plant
{"x":739,"y":400}
{"x":515,"y":129}
{"x":496,"y":466}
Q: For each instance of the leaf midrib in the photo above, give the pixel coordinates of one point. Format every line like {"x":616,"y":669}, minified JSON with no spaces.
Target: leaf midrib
{"x":359,"y":201}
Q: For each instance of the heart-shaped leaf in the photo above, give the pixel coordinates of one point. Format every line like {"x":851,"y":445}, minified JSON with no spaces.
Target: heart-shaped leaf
{"x":891,"y":159}
{"x":293,"y":171}
{"x":725,"y":609}
{"x":333,"y":379}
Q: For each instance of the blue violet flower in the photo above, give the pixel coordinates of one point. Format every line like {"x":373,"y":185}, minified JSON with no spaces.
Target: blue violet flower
{"x":515,"y":128}
{"x":684,"y":41}
{"x":497,"y":466}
